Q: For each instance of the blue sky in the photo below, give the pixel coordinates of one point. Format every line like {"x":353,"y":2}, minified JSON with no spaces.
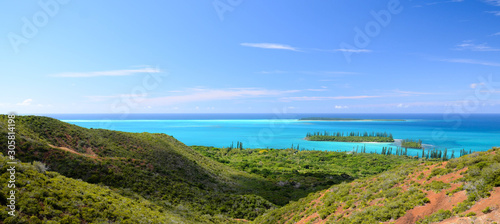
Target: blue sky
{"x":241,"y":56}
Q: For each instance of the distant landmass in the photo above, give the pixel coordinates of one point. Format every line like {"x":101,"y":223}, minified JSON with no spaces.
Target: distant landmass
{"x":344,"y":119}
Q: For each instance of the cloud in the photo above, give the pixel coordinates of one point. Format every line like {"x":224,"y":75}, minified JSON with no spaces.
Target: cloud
{"x":26,"y":102}
{"x":408,"y":93}
{"x":270,"y":46}
{"x":353,"y":50}
{"x":469,"y":45}
{"x":435,"y":3}
{"x":493,"y":2}
{"x":341,"y":107}
{"x":122,"y":96}
{"x":317,"y":90}
{"x":475,"y":85}
{"x":125,"y":72}
{"x":203,"y":95}
{"x":496,"y":34}
{"x":317,"y":98}
{"x":324,"y":73}
{"x":403,"y":105}
{"x":290,"y":48}
{"x":471,"y":61}
{"x":273,"y":72}
{"x":496,"y":13}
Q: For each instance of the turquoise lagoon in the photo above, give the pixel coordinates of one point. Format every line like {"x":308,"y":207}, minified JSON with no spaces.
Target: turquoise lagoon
{"x":476,"y":132}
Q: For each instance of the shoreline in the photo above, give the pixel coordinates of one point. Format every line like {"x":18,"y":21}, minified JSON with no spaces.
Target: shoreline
{"x":348,"y":142}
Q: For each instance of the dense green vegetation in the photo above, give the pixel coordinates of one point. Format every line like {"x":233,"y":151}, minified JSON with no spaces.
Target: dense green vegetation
{"x":52,"y":198}
{"x":154,"y":166}
{"x":382,"y":198}
{"x":344,"y":119}
{"x":294,"y":173}
{"x":350,"y":136}
{"x":409,"y":143}
{"x":357,"y":197}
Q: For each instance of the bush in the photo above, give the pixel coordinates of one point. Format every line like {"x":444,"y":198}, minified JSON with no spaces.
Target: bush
{"x":486,"y":210}
{"x":436,"y":217}
{"x":470,"y":214}
{"x":40,"y":167}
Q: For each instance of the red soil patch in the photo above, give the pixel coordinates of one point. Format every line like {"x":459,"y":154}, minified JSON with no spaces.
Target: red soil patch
{"x":494,"y":216}
{"x":309,"y":218}
{"x":314,"y":203}
{"x":437,"y":200}
{"x":90,"y":153}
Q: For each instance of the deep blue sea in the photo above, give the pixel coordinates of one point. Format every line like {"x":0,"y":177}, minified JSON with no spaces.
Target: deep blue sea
{"x":476,"y":132}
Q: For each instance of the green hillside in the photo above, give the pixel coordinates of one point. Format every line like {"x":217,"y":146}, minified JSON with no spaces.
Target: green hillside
{"x":415,"y":192}
{"x":52,"y":198}
{"x":295,"y":173}
{"x":154,"y":166}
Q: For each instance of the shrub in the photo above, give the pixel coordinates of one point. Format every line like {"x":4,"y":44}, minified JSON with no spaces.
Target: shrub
{"x":40,"y":167}
{"x":470,"y":214}
{"x":486,"y":210}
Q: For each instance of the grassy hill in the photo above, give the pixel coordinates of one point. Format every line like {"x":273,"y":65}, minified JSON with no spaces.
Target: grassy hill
{"x":465,"y":189}
{"x":53,"y":198}
{"x":154,"y":166}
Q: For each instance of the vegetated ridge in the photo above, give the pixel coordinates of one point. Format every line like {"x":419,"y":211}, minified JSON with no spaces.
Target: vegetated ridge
{"x":461,"y":190}
{"x":350,"y":136}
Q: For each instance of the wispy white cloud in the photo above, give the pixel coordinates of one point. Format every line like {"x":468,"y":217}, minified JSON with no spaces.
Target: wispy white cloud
{"x":496,"y":13}
{"x":273,"y":72}
{"x":110,"y":97}
{"x":496,"y":34}
{"x":409,"y":93}
{"x":204,"y":95}
{"x":353,"y":50}
{"x":270,"y":46}
{"x":475,"y":85}
{"x":491,"y":91}
{"x":125,"y":72}
{"x":330,"y":73}
{"x":317,"y":90}
{"x":438,"y":2}
{"x":470,"y":45}
{"x":471,"y":61}
{"x":341,"y":107}
{"x":493,"y":2}
{"x":26,"y":102}
{"x":317,"y":98}
{"x":290,"y":48}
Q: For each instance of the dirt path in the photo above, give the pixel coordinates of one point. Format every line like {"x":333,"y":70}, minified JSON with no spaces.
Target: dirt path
{"x":89,"y":153}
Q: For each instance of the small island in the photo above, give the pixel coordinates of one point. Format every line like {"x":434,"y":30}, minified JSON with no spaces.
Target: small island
{"x":350,"y":136}
{"x":344,"y":119}
{"x":409,"y":143}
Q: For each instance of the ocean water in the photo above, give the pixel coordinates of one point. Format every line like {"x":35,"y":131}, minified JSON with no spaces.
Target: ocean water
{"x":476,"y":132}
